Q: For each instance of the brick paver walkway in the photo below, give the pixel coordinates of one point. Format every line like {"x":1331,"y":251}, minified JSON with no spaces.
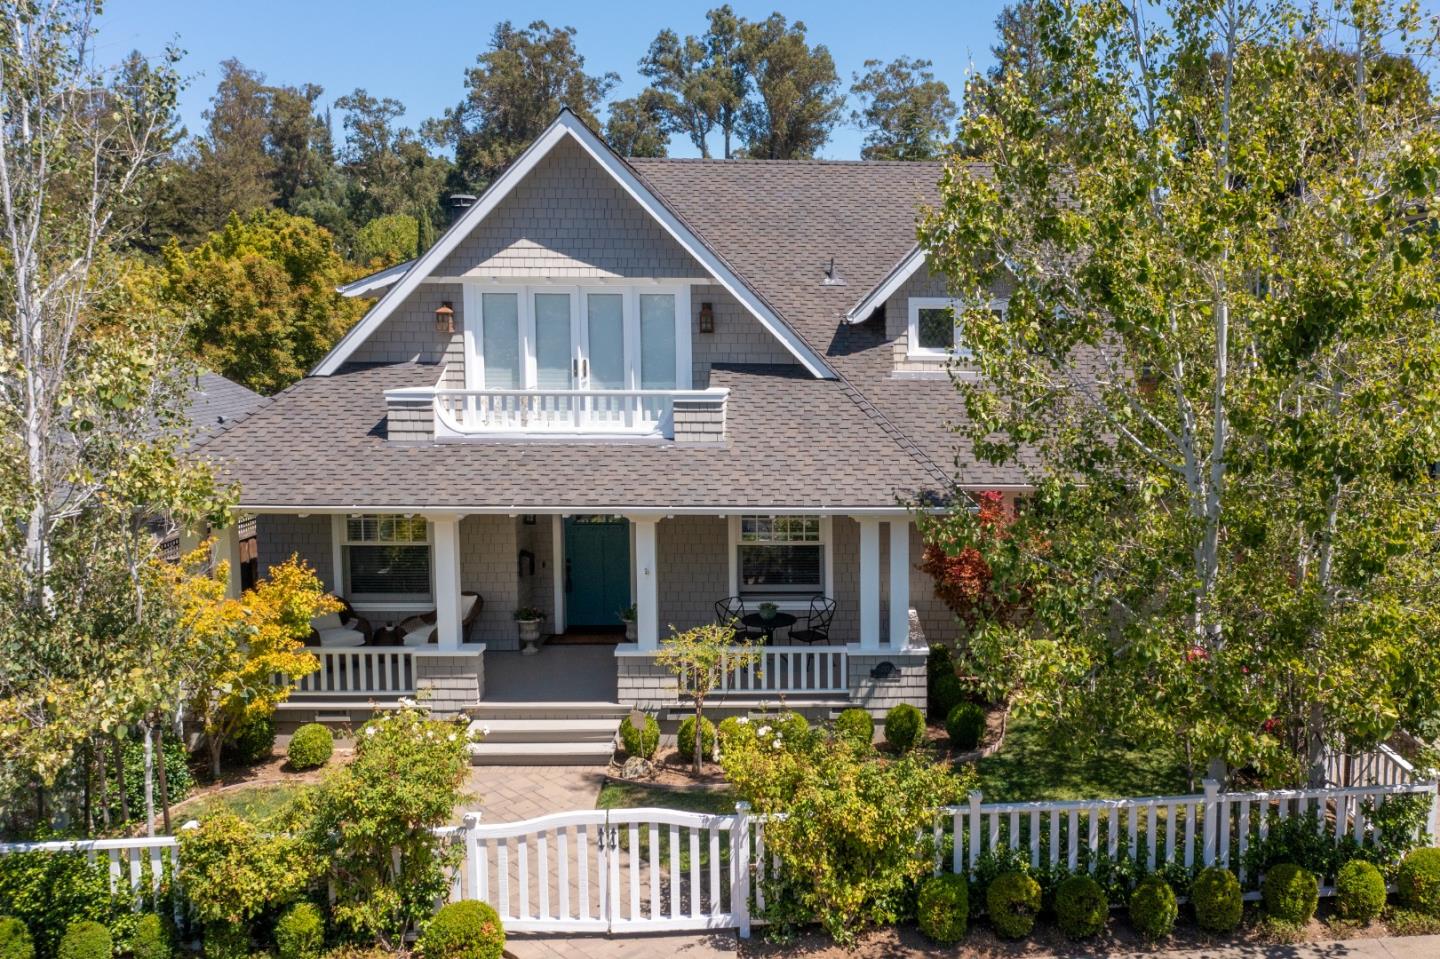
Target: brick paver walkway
{"x":511,"y":793}
{"x":704,"y":946}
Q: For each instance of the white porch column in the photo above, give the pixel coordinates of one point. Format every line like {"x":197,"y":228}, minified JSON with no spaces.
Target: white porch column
{"x":899,"y":583}
{"x":647,"y":594}
{"x":227,"y":548}
{"x":446,"y":536}
{"x":869,"y":582}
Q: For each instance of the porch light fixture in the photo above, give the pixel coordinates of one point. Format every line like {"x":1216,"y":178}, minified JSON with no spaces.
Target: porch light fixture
{"x":707,"y":318}
{"x":445,"y":318}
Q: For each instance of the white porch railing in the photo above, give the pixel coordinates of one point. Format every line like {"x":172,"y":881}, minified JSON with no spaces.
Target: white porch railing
{"x":560,"y":412}
{"x":786,"y":670}
{"x":359,"y":671}
{"x":1381,"y":766}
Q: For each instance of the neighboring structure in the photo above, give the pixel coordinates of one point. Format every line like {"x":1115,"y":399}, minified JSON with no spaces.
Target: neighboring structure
{"x":655,"y":382}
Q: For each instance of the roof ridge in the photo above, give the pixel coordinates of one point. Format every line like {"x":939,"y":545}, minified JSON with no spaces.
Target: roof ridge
{"x":796,"y":161}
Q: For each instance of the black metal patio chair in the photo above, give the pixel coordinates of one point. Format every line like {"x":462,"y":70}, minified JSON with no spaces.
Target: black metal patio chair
{"x":817,"y":624}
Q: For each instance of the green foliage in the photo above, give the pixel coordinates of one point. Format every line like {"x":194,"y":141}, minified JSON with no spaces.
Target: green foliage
{"x":640,"y":742}
{"x":372,"y":823}
{"x":1295,"y":839}
{"x":387,"y":240}
{"x":946,"y":692}
{"x":253,"y":742}
{"x":904,"y":727}
{"x":15,"y":941}
{"x":264,"y":292}
{"x":685,"y":738}
{"x":85,"y":939}
{"x":1217,"y":899}
{"x":1012,"y":901}
{"x":178,"y":778}
{"x":699,"y":657}
{"x":226,"y":940}
{"x":463,"y":930}
{"x":797,"y":99}
{"x":856,"y":725}
{"x":1291,"y":893}
{"x":1153,"y":908}
{"x":942,"y":908}
{"x":151,"y":938}
{"x":47,"y":891}
{"x":300,"y":932}
{"x":965,"y":725}
{"x":906,"y":113}
{"x":1417,"y":882}
{"x":233,"y":871}
{"x":1359,"y":892}
{"x":732,"y":728}
{"x":1081,"y":908}
{"x":310,"y":747}
{"x":856,"y":838}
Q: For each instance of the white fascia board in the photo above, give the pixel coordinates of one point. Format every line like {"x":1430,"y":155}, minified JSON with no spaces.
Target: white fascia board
{"x":568,"y":125}
{"x":886,"y":288}
{"x":651,"y":510}
{"x":375,"y":281}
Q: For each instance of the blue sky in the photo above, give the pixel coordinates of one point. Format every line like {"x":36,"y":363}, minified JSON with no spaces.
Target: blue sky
{"x":417,"y":52}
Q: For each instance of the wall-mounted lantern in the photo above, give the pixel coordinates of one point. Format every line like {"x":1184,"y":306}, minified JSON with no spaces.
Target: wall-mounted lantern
{"x":445,"y":318}
{"x":707,"y":318}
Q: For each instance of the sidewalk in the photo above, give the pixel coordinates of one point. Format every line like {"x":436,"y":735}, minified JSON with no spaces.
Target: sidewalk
{"x":1389,"y":947}
{"x":716,"y":945}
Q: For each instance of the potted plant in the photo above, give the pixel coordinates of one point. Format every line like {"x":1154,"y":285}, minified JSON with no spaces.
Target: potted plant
{"x":768,"y":611}
{"x":528,"y":618}
{"x":627,"y":616}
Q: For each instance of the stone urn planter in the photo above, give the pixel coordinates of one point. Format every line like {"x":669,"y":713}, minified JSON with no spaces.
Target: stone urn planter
{"x":529,"y":620}
{"x":627,"y":617}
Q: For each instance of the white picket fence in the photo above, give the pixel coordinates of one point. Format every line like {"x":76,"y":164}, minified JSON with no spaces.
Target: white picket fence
{"x":1381,"y":766}
{"x":638,"y":870}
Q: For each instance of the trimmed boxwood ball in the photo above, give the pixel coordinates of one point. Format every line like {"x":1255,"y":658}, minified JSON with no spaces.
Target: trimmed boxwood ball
{"x":151,"y":938}
{"x":86,"y":939}
{"x":791,"y":727}
{"x":641,"y":742}
{"x":463,"y":930}
{"x":15,"y":941}
{"x":942,"y":910}
{"x":1153,"y":908}
{"x":1291,"y":893}
{"x":965,"y":725}
{"x":300,"y":933}
{"x":1359,"y":891}
{"x":253,"y":742}
{"x":685,"y":738}
{"x":1012,"y":901}
{"x":310,"y":747}
{"x":226,"y":940}
{"x":946,"y":692}
{"x":1217,"y":899}
{"x":904,"y":727}
{"x":1081,"y":907}
{"x":1418,"y":880}
{"x":856,"y":725}
{"x":732,"y":730}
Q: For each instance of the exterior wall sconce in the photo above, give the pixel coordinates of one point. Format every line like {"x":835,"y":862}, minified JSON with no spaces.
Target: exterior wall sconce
{"x":707,"y":318}
{"x":445,"y":318}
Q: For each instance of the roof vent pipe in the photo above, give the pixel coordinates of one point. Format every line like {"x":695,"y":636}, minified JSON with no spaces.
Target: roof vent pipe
{"x":831,"y":277}
{"x":457,"y":205}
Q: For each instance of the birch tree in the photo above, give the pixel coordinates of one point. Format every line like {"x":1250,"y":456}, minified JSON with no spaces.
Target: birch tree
{"x":1218,"y":364}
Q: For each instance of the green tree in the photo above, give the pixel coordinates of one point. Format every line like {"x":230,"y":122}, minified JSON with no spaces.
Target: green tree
{"x":514,"y":91}
{"x":701,"y":81}
{"x":700,"y":658}
{"x":263,"y":293}
{"x":639,"y":127}
{"x":231,"y":170}
{"x":387,"y":240}
{"x":1219,"y":366}
{"x":389,"y":169}
{"x":907,"y":114}
{"x":797,"y":99}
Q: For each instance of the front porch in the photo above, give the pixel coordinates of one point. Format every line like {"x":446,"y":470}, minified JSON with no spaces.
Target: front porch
{"x":580,"y":573}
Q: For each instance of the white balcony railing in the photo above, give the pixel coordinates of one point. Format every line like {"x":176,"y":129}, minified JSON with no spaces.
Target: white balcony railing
{"x":562,"y":412}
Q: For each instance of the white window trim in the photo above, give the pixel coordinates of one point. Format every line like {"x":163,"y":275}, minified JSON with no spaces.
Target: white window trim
{"x":474,"y":335}
{"x":959,"y":350}
{"x":787,"y":601}
{"x":363,"y":602}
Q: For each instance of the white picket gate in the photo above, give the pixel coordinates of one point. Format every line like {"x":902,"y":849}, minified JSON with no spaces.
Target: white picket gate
{"x":611,"y":870}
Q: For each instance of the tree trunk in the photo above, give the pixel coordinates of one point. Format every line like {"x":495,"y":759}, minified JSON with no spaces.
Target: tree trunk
{"x":119,"y":757}
{"x":149,"y":779}
{"x":699,"y":737}
{"x":160,"y":772}
{"x":214,"y":743}
{"x":104,"y":785}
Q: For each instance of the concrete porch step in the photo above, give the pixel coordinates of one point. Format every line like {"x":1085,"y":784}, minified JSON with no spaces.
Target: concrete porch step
{"x":541,"y":754}
{"x":546,"y":730}
{"x":492,"y":710}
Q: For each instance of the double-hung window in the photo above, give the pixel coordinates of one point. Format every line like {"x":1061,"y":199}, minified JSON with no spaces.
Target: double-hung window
{"x":780,"y":555}
{"x":387,"y":557}
{"x":934,"y":329}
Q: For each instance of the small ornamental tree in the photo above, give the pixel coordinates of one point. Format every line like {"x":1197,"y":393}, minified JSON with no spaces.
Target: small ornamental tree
{"x":372,"y":824}
{"x":698,"y":657}
{"x":236,"y":647}
{"x":954,"y":558}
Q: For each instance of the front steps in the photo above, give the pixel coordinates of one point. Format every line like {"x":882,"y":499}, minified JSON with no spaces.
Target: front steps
{"x":544,"y":734}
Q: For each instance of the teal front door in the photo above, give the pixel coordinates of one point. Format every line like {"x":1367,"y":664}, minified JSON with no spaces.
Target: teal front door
{"x":597,"y":570}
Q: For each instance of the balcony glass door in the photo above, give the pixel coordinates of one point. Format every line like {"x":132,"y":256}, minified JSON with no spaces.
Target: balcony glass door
{"x":603,"y":340}
{"x":554,"y":342}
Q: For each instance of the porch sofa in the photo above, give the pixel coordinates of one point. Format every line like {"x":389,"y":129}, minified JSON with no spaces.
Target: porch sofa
{"x":340,"y":629}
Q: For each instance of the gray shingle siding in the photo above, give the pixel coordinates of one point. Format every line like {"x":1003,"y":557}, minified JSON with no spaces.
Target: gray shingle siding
{"x":738,"y":336}
{"x":279,"y":537}
{"x":487,"y":566}
{"x":409,"y":333}
{"x":694,"y":569}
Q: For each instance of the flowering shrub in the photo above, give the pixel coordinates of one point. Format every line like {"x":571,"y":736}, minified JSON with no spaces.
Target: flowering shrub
{"x":233,"y":870}
{"x":856,"y":838}
{"x":371,"y":823}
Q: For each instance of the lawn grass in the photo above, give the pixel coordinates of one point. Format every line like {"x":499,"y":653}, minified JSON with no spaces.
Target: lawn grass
{"x":250,"y":803}
{"x":1031,"y":766}
{"x":615,"y":795}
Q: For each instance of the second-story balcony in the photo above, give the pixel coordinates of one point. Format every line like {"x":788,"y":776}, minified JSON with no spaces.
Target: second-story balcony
{"x":435,"y":413}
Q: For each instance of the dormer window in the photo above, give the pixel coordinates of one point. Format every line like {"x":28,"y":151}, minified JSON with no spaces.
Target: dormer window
{"x":934,"y":331}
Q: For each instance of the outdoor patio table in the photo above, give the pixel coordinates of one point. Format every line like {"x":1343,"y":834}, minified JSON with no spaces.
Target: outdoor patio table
{"x":768,"y":626}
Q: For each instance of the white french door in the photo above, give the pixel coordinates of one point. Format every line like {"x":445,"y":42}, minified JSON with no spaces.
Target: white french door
{"x":550,"y":338}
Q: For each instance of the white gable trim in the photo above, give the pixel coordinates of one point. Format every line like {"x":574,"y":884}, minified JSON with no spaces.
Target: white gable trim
{"x":567,"y":125}
{"x":376,"y":280}
{"x":886,"y":288}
